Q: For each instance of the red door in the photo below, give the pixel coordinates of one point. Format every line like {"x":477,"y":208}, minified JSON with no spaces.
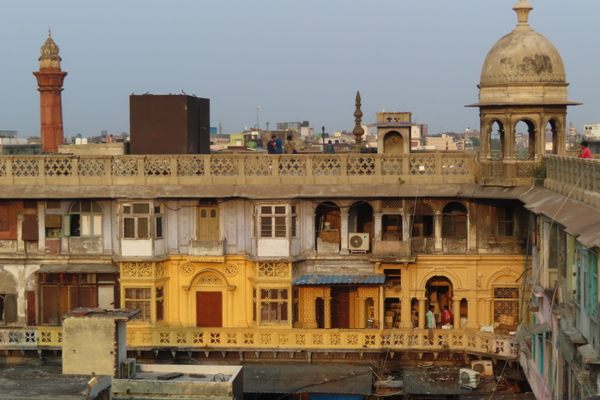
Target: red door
{"x":340,"y":308}
{"x":209,"y":309}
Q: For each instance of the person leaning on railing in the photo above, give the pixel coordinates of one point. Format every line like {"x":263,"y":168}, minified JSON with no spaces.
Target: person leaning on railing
{"x":585,"y":152}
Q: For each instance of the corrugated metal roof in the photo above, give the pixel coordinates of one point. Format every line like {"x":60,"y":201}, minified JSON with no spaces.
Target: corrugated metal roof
{"x":318,"y":279}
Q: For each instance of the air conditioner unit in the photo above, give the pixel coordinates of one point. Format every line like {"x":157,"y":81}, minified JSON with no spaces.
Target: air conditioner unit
{"x":127,"y":369}
{"x":484,"y":367}
{"x":469,"y":378}
{"x":358,"y":242}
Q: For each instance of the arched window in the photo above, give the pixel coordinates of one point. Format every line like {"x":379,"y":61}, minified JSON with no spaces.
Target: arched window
{"x":497,"y":141}
{"x":454,"y":221}
{"x":84,"y":219}
{"x":524,"y":140}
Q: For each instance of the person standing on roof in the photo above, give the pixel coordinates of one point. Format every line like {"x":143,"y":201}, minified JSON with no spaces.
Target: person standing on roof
{"x":278,"y":145}
{"x":290,"y":147}
{"x":585,"y":152}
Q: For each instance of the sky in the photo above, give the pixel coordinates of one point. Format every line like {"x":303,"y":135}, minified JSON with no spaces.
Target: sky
{"x":290,"y":60}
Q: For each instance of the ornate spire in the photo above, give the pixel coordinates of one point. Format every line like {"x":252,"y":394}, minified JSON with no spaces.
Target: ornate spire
{"x":358,"y":130}
{"x":523,"y":8}
{"x":49,"y":53}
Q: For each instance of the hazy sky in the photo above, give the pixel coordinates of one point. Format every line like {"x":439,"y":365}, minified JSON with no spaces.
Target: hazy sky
{"x":298,"y":60}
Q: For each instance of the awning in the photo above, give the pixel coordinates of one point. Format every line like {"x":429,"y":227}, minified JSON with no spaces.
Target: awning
{"x":579,"y":219}
{"x":307,"y":378}
{"x":78,"y":269}
{"x":318,"y":279}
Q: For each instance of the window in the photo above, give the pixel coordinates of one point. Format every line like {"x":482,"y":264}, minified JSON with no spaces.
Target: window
{"x":160,"y":303}
{"x":63,"y":292}
{"x":53,"y":224}
{"x":422,"y":221}
{"x":136,"y":221}
{"x":139,"y":299}
{"x":273,"y":221}
{"x":294,"y":222}
{"x":506,"y":305}
{"x":454,"y":221}
{"x":557,"y":248}
{"x":392,"y":277}
{"x":84,"y":219}
{"x":273,"y":305}
{"x":587,"y":280}
{"x":505,"y":221}
{"x":207,"y":228}
{"x":392,"y":227}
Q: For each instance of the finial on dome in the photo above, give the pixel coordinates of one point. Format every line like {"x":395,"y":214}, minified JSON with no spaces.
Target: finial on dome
{"x":49,"y":32}
{"x":49,"y":53}
{"x":523,"y":8}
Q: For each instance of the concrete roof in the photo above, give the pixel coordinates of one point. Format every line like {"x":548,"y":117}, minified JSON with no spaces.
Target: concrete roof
{"x":26,"y":382}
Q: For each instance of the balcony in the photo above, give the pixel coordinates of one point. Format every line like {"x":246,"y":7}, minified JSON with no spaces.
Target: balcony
{"x":207,"y":247}
{"x":258,"y":339}
{"x":228,"y":169}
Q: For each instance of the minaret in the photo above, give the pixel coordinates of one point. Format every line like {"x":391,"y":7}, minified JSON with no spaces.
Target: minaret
{"x":50,"y":85}
{"x":358,"y":130}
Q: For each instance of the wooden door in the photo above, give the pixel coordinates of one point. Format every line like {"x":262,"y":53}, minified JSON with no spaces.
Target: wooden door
{"x":207,"y":227}
{"x":209,"y":309}
{"x":30,"y":307}
{"x":340,"y":308}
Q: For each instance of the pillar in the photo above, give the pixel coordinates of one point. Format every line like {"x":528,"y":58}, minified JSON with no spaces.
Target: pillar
{"x":344,"y":230}
{"x":327,"y":316}
{"x":405,"y":311}
{"x":422,"y":313}
{"x":456,"y":312}
{"x":487,"y":312}
{"x":406,"y":225}
{"x":437,"y":229}
{"x":377,"y":228}
{"x":472,"y":313}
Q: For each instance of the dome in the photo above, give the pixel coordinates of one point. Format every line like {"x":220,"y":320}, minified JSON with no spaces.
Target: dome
{"x":523,"y":67}
{"x":49,"y":54}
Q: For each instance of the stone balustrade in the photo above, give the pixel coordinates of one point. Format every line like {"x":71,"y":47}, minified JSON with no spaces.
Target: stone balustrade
{"x":258,"y":339}
{"x":240,"y":168}
{"x":577,"y":178}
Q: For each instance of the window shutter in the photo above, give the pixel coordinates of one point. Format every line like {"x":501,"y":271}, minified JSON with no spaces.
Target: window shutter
{"x":30,"y":227}
{"x":10,"y":308}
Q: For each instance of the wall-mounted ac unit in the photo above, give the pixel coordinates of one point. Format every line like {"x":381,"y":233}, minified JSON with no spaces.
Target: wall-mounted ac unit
{"x":469,"y":378}
{"x":358,"y":242}
{"x":484,"y":367}
{"x":127,"y":369}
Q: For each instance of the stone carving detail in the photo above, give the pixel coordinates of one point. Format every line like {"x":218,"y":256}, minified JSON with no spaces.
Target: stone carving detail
{"x":454,"y":166}
{"x":3,"y":167}
{"x":190,"y":166}
{"x":364,"y":165}
{"x":289,"y":166}
{"x":136,"y":270}
{"x":326,"y":166}
{"x":124,"y":166}
{"x":187,"y":269}
{"x":91,"y":167}
{"x":161,"y":269}
{"x":25,"y":167}
{"x":231,"y":269}
{"x":422,"y":166}
{"x":391,"y":165}
{"x":273,"y":270}
{"x":258,"y":166}
{"x":58,"y":166}
{"x":525,"y":169}
{"x":154,"y":166}
{"x":497,"y":170}
{"x":224,"y":166}
{"x":209,"y":279}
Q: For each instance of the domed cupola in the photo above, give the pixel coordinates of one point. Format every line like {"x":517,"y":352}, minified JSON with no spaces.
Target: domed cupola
{"x":523,"y":67}
{"x":523,"y":79}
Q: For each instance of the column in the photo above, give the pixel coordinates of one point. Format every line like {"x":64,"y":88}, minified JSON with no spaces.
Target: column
{"x":405,"y":311}
{"x":456,"y":312}
{"x":377,"y":228}
{"x":406,"y":224}
{"x":361,"y":301}
{"x":327,"y":316}
{"x":422,"y":313}
{"x":472,"y":314}
{"x":437,"y":229}
{"x":471,"y":228}
{"x":344,"y":230}
{"x":487,"y":313}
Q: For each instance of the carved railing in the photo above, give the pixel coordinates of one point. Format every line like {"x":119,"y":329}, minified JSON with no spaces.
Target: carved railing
{"x":218,"y":169}
{"x":282,"y":339}
{"x":508,"y":172}
{"x":577,"y":178}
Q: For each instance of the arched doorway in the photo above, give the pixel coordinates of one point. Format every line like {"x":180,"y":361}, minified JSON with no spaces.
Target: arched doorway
{"x":393,"y":143}
{"x":327,"y":227}
{"x":497,"y":140}
{"x":208,"y":295}
{"x":439,"y":294}
{"x":524,"y":140}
